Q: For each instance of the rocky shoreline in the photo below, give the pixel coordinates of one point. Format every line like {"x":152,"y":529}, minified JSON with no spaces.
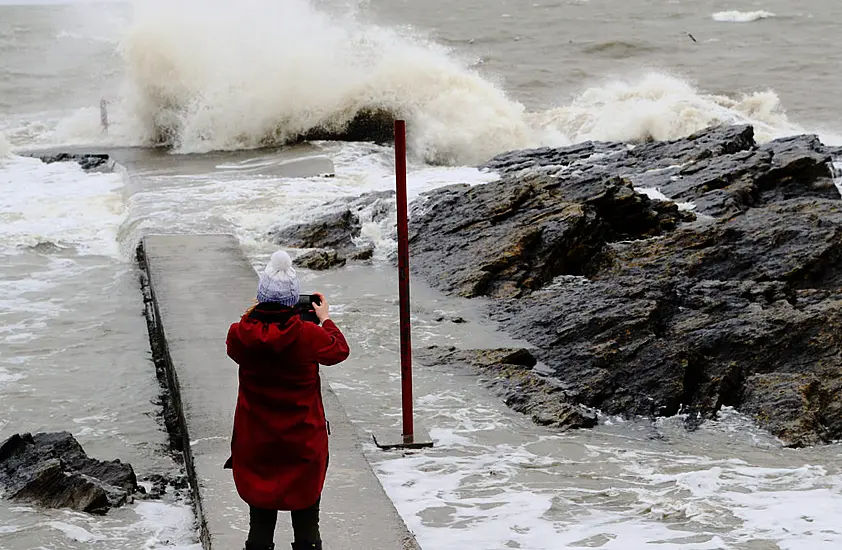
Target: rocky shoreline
{"x":724,"y":293}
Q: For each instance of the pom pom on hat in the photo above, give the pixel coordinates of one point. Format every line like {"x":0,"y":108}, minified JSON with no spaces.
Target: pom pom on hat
{"x":278,"y":281}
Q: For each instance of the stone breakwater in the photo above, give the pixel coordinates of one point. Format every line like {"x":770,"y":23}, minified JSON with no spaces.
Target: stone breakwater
{"x":637,"y":306}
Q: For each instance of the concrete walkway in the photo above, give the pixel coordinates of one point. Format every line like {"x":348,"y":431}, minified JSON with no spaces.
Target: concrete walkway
{"x":199,"y":285}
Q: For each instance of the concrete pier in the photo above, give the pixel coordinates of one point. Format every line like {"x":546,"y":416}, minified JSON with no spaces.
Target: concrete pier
{"x":196,"y":287}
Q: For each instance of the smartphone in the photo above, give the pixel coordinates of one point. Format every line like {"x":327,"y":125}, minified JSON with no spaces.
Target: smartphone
{"x":305,"y":307}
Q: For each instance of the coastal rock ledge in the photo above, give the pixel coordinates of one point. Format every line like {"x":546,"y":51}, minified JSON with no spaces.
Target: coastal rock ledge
{"x":637,"y":306}
{"x":52,"y":470}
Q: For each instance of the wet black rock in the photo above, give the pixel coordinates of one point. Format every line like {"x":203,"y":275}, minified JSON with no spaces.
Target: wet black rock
{"x":333,"y":231}
{"x":86,"y":161}
{"x":510,"y":373}
{"x":639,"y":308}
{"x":336,"y":236}
{"x":375,"y":125}
{"x":320,"y":260}
{"x":510,"y":237}
{"x":160,"y":485}
{"x":52,"y":470}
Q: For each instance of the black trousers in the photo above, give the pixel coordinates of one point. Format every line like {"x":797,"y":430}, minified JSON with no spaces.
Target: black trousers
{"x":305,"y":526}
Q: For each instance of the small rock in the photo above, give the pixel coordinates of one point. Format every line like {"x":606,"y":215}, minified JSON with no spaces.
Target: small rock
{"x":88,"y":162}
{"x":320,"y":260}
{"x":363,"y":254}
{"x":335,"y":231}
{"x":52,"y":470}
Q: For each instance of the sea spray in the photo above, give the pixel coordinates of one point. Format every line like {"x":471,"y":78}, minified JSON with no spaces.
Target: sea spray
{"x":662,"y":107}
{"x":741,"y":16}
{"x":205,"y":76}
{"x":5,"y":147}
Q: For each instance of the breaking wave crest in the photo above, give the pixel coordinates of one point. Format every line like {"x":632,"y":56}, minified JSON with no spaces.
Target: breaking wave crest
{"x":741,"y":16}
{"x":205,"y":76}
{"x":661,"y":107}
{"x":5,"y":147}
{"x":208,"y":75}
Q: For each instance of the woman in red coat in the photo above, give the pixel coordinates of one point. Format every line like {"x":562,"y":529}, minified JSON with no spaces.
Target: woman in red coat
{"x":279,"y":449}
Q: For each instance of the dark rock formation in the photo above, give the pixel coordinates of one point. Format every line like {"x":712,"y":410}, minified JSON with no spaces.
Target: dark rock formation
{"x":320,"y":260}
{"x":336,"y":236}
{"x":376,"y":125}
{"x":369,"y":124}
{"x":513,"y":236}
{"x":334,"y":231}
{"x":721,"y":169}
{"x":510,"y":373}
{"x":87,"y":161}
{"x":52,"y":470}
{"x":636,"y":308}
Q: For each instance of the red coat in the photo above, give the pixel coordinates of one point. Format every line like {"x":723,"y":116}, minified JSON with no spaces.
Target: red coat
{"x":279,"y":448}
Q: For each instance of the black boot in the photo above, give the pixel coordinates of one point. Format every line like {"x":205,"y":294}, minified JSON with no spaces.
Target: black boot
{"x":250,"y":546}
{"x":307,"y":545}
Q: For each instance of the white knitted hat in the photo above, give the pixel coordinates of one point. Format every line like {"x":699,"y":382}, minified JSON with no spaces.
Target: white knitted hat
{"x":278,"y":282}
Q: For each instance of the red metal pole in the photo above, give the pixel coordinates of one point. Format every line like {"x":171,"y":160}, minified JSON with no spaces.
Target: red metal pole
{"x":403,"y":280}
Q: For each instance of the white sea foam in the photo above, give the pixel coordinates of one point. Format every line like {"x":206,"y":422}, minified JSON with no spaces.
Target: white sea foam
{"x":218,"y":76}
{"x":5,"y":147}
{"x":660,"y":106}
{"x":61,"y":204}
{"x":170,"y":526}
{"x":741,"y":16}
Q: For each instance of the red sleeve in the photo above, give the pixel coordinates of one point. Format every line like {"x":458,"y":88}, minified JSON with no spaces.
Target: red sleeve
{"x":232,"y":343}
{"x":329,"y":344}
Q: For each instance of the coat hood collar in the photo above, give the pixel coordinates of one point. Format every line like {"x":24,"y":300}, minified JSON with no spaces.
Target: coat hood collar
{"x":269,"y":326}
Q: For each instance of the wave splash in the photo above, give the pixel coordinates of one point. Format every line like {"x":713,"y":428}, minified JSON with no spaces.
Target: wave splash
{"x":5,"y":147}
{"x":661,"y":107}
{"x":208,"y":75}
{"x":741,"y":16}
{"x":205,"y":76}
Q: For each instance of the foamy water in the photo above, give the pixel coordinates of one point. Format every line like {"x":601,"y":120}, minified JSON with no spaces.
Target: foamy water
{"x":5,"y":147}
{"x":214,"y":76}
{"x":60,"y":205}
{"x":741,"y":16}
{"x":73,"y":352}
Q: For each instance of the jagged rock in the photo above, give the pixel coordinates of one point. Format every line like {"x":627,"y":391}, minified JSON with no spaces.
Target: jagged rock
{"x":512,"y":236}
{"x":52,"y":470}
{"x":87,"y":161}
{"x":363,"y":254}
{"x":637,"y":309}
{"x":789,"y":404}
{"x":335,"y":231}
{"x":320,"y":260}
{"x":160,"y":485}
{"x":721,"y":170}
{"x":510,"y":374}
{"x":340,"y":229}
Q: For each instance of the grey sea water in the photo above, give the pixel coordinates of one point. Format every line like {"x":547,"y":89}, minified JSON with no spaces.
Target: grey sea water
{"x":473,"y":78}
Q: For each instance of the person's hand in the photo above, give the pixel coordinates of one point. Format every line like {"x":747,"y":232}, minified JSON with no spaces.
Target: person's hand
{"x":321,"y":309}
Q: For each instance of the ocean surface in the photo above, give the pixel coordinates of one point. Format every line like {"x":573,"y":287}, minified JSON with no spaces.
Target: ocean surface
{"x":228,"y":83}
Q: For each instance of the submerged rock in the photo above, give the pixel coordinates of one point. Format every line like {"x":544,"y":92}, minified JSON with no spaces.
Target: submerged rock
{"x":52,"y":470}
{"x":336,"y":237}
{"x":320,"y":260}
{"x":640,"y":308}
{"x":510,"y":372}
{"x":334,"y":231}
{"x":86,"y":161}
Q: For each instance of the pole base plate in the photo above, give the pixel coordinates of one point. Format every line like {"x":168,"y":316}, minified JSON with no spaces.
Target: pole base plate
{"x":388,"y":442}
